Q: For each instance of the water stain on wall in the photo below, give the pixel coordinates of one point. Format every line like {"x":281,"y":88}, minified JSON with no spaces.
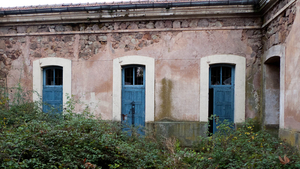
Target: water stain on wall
{"x":166,"y":97}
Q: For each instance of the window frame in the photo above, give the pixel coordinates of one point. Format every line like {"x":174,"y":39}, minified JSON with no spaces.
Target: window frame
{"x":53,"y":68}
{"x":221,"y":66}
{"x":134,"y":68}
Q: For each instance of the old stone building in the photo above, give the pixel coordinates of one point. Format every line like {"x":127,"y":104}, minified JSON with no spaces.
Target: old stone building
{"x":173,"y":63}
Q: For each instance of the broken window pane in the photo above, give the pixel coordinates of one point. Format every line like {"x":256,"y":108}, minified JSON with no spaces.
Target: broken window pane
{"x":49,"y":77}
{"x":215,"y":76}
{"x":139,"y":76}
{"x":54,"y":76}
{"x":226,"y":75}
{"x":128,"y":76}
{"x":58,"y":76}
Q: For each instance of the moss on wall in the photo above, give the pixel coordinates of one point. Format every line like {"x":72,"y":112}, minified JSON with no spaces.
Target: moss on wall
{"x":290,"y":136}
{"x":186,"y":132}
{"x":166,"y":99}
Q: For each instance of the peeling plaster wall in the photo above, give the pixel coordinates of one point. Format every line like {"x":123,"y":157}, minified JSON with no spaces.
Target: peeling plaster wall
{"x":272,"y":94}
{"x":177,"y":59}
{"x":15,"y":64}
{"x":275,"y":34}
{"x":277,"y":31}
{"x":292,"y":78}
{"x":283,"y":32}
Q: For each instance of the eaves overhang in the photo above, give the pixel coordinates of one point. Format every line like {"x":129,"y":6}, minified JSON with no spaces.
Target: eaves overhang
{"x":131,"y":12}
{"x":131,"y":15}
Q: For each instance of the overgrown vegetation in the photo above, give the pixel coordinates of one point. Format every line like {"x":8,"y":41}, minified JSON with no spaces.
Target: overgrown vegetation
{"x":30,"y":138}
{"x":245,"y":147}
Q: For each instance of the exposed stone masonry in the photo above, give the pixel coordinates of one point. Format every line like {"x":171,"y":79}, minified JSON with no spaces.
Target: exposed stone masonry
{"x":90,"y":45}
{"x":8,"y":53}
{"x":275,"y":9}
{"x":278,"y":30}
{"x":51,"y":46}
{"x":253,"y":74}
{"x":134,"y":41}
{"x":190,"y":23}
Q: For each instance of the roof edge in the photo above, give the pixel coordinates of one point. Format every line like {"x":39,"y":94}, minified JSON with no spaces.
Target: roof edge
{"x":166,"y":5}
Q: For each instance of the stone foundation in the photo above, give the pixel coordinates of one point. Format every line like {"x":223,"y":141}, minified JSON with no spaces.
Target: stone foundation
{"x":290,"y":136}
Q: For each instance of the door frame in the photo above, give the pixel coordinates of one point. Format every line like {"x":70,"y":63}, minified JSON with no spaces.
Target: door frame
{"x":239,"y":87}
{"x":38,"y":66}
{"x":118,"y":63}
{"x":133,"y":87}
{"x":213,"y":88}
{"x":129,"y":66}
{"x":51,"y":86}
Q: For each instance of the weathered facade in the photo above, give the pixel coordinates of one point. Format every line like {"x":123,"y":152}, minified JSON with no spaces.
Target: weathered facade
{"x":279,"y":56}
{"x":177,"y":46}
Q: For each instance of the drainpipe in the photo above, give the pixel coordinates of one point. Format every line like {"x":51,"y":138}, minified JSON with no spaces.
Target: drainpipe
{"x":131,"y":6}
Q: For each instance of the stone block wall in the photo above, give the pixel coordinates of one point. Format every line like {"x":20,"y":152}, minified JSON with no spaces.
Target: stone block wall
{"x":282,"y":31}
{"x":279,"y":28}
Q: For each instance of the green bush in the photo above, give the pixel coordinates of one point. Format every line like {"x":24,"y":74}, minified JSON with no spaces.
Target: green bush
{"x":31,"y":139}
{"x":243,"y":148}
{"x":40,"y":144}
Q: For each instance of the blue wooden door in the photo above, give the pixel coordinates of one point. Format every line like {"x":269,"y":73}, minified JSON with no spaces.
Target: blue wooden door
{"x":53,"y":90}
{"x":222,"y":96}
{"x":133,"y":96}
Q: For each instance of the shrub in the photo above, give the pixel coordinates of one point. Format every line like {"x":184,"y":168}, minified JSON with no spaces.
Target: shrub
{"x":40,"y":144}
{"x":243,"y":148}
{"x":30,"y":138}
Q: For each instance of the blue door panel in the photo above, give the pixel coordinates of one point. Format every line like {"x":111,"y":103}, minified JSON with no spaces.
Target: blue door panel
{"x":223,"y":95}
{"x":52,"y":95}
{"x":133,"y":104}
{"x":136,"y":96}
{"x":223,"y":104}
